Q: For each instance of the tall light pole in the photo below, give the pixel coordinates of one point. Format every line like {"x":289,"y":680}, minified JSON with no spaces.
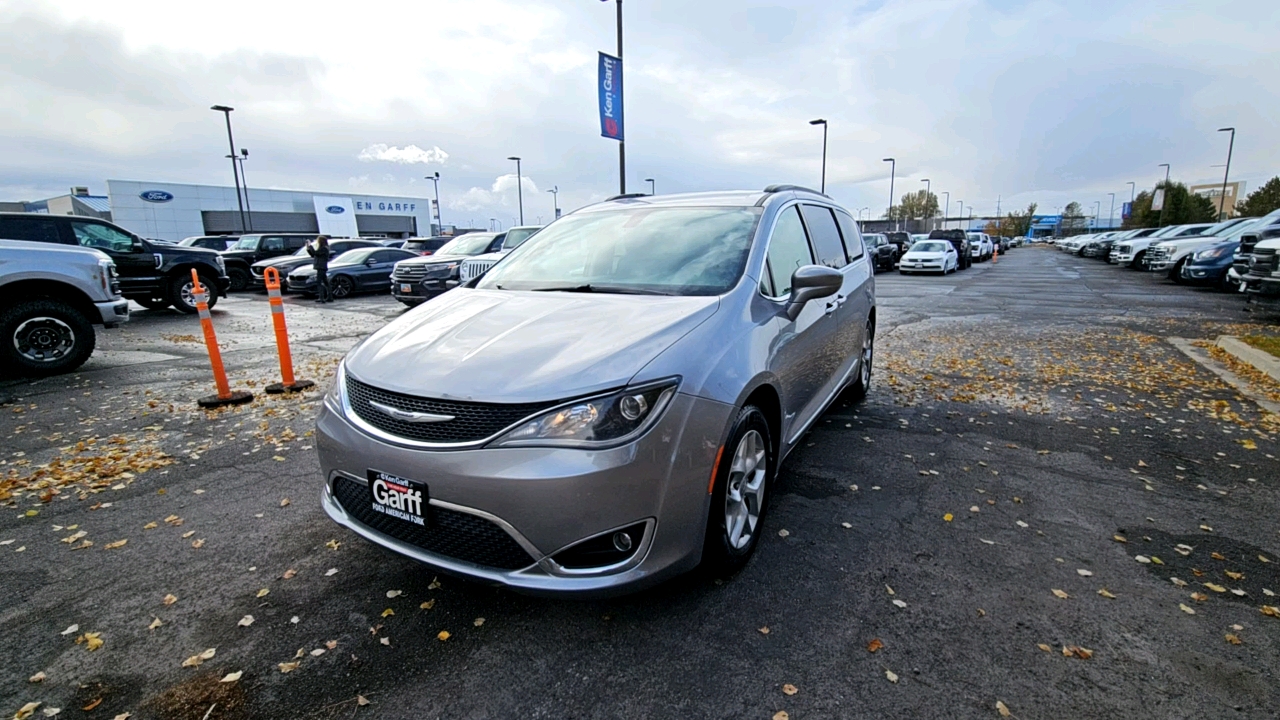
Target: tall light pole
{"x":435,"y":179}
{"x":622,"y":146}
{"x":823,"y":123}
{"x":235,"y":171}
{"x":519,"y":180}
{"x":1165,"y":202}
{"x":248,"y":208}
{"x":893,"y":169}
{"x":946,"y":212}
{"x":555,"y":200}
{"x":1097,"y":208}
{"x":961,"y":215}
{"x":927,"y":193}
{"x":1222,"y":201}
{"x":652,"y":185}
{"x":1111,"y":218}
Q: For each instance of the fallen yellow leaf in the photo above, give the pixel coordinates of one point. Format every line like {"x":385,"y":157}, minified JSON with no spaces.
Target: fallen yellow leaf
{"x":443,"y":635}
{"x":790,"y":689}
{"x":891,"y":675}
{"x":948,"y":517}
{"x":874,"y":645}
{"x":388,"y":612}
{"x":26,"y":711}
{"x":264,"y":592}
{"x":1003,"y":709}
{"x":287,"y":667}
{"x":1106,"y":594}
{"x":1060,"y":594}
{"x":232,"y":677}
{"x":116,"y":544}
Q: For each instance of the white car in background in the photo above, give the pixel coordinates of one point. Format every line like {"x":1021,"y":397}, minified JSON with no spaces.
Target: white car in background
{"x":474,"y":267}
{"x":1170,"y":255}
{"x":1133,"y":252}
{"x":980,"y":246}
{"x":937,"y":256}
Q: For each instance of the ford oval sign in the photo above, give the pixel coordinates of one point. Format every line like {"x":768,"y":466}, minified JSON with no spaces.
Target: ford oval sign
{"x":156,"y":196}
{"x":335,"y":209}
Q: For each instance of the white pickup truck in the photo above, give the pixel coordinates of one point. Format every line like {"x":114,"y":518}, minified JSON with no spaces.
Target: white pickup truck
{"x":1168,"y":256}
{"x":51,"y":296}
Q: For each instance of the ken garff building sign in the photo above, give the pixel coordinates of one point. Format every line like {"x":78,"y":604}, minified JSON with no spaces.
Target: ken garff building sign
{"x":156,"y":196}
{"x":610,"y":84}
{"x":367,"y":205}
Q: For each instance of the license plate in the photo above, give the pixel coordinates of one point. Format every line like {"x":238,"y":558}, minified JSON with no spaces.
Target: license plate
{"x":398,"y":497}
{"x":406,"y":288}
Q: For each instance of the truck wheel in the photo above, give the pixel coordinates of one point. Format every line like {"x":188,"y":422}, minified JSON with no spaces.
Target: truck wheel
{"x":45,"y":337}
{"x":240,"y":279}
{"x":182,"y":293}
{"x":1176,"y":273}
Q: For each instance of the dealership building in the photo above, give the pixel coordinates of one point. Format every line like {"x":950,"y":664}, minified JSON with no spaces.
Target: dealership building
{"x":173,"y":211}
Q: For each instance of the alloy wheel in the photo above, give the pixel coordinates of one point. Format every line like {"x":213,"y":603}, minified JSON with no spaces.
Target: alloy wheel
{"x":868,"y":352}
{"x":745,"y":490}
{"x":44,"y":339}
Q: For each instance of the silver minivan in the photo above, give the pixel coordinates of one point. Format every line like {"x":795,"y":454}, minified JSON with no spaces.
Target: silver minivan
{"x":608,"y":406}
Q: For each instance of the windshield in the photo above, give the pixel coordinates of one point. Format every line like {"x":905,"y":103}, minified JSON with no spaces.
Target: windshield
{"x":516,"y":236}
{"x":248,"y":242}
{"x":929,"y":247}
{"x":354,"y":257}
{"x":1242,"y":228}
{"x":665,"y":250}
{"x":472,"y":244}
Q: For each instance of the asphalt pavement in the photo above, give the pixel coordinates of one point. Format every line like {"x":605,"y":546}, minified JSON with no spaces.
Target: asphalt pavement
{"x":1043,"y":503}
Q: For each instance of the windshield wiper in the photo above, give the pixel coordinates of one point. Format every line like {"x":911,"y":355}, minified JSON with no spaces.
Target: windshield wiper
{"x":610,"y":289}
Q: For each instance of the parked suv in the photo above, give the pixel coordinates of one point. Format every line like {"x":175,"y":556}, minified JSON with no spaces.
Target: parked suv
{"x":249,"y":249}
{"x":154,"y":276}
{"x":884,"y":253}
{"x":211,"y":242}
{"x":474,"y":267}
{"x":980,"y":247}
{"x":50,"y":298}
{"x":609,"y":405}
{"x":901,"y":240}
{"x":416,"y":281}
{"x":427,"y":245}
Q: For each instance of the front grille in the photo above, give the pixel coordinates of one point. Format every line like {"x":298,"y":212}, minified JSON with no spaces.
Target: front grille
{"x":461,"y":536}
{"x":474,"y":268}
{"x":406,"y":272}
{"x":472,"y":421}
{"x":1263,"y":261}
{"x":1158,"y":255}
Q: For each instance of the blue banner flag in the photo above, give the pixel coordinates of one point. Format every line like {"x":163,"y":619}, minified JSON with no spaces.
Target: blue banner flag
{"x":1126,"y":210}
{"x":610,"y":83}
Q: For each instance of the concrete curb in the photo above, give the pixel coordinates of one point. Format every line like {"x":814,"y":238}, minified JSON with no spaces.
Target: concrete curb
{"x":1230,"y":378}
{"x":1244,"y":352}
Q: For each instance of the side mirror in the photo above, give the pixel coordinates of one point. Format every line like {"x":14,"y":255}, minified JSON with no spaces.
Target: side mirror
{"x":370,"y":262}
{"x":810,"y":283}
{"x":1249,"y":237}
{"x":138,"y":245}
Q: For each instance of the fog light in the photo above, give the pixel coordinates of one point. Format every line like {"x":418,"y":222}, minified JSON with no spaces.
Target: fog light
{"x":622,"y":541}
{"x":632,"y":407}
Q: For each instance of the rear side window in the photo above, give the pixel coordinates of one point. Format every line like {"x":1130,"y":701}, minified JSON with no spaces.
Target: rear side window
{"x":852,"y":238}
{"x":30,"y":229}
{"x":788,"y":250}
{"x":825,"y":236}
{"x":101,"y":237}
{"x":273,"y":244}
{"x":295,"y":243}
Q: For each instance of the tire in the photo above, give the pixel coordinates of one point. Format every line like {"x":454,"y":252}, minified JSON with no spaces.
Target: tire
{"x":741,"y":489}
{"x":341,"y":286}
{"x":1175,"y":274}
{"x":240,"y":279}
{"x":181,"y":291}
{"x":152,"y":303}
{"x":1137,"y":260}
{"x":44,"y":337}
{"x":862,"y":384}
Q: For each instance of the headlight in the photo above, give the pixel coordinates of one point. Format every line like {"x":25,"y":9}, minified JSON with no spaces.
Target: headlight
{"x":1211,"y":253}
{"x":221,"y":263}
{"x":597,"y":422}
{"x":333,"y":398}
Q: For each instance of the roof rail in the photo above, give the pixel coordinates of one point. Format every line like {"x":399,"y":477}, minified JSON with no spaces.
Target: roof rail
{"x":793,"y":188}
{"x":627,"y":196}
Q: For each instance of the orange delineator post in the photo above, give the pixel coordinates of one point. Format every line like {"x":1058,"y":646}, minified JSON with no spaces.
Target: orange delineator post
{"x":272,"y":278}
{"x":995,"y":256}
{"x":225,"y":395}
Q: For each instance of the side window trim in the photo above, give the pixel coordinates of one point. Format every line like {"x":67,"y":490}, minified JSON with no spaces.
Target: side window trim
{"x":857,"y":233}
{"x":767,"y":271}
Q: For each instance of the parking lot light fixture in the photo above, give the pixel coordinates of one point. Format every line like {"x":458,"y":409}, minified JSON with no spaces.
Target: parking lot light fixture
{"x":823,"y":123}
{"x":439,"y":223}
{"x":555,"y":201}
{"x":1222,"y":200}
{"x":652,"y":186}
{"x":893,"y":169}
{"x":235,"y":170}
{"x":1133,"y":189}
{"x":519,"y":187}
{"x":244,"y":180}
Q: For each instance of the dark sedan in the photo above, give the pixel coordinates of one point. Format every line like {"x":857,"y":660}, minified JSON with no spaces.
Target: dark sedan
{"x":360,"y":270}
{"x":286,"y":264}
{"x":884,"y":252}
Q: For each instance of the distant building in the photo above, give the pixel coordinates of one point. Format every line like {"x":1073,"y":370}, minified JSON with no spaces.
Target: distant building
{"x":173,"y":211}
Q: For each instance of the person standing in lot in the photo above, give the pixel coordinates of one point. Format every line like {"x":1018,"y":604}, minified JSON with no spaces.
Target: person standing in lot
{"x":320,"y":251}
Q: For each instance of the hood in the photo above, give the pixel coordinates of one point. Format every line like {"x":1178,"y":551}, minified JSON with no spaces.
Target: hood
{"x":433,"y":259}
{"x":922,"y":255}
{"x":490,"y":256}
{"x":1180,"y":243}
{"x":517,"y":347}
{"x":284,"y":261}
{"x":205,"y":253}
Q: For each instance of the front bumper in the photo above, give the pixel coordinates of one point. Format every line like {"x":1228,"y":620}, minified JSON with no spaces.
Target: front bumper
{"x":550,"y":498}
{"x":113,"y":311}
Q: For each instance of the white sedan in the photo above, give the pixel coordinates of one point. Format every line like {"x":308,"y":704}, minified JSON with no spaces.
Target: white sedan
{"x":929,"y":256}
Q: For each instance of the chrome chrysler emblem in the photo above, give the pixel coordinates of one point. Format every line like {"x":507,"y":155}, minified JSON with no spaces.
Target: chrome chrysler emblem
{"x":408,"y":415}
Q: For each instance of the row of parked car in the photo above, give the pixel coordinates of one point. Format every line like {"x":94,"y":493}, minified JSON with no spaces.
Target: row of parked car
{"x":1239,"y":254}
{"x":940,"y":251}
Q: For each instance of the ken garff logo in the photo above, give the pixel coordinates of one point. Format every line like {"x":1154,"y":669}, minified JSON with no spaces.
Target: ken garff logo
{"x":409,"y":416}
{"x":335,"y":209}
{"x":156,"y":196}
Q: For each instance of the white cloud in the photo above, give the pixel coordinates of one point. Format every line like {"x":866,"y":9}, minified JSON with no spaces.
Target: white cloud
{"x":501,"y":194}
{"x":408,"y":155}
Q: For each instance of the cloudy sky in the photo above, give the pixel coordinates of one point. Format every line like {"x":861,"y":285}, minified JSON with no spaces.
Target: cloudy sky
{"x":1046,"y":101}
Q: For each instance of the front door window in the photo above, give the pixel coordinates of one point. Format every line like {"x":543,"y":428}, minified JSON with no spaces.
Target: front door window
{"x":102,"y":237}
